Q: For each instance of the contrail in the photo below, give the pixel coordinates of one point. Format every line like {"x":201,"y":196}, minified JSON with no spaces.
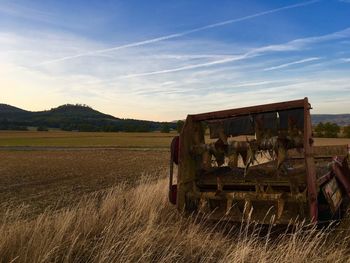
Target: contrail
{"x":177,"y":35}
{"x":292,"y":63}
{"x":295,"y":44}
{"x":193,"y":66}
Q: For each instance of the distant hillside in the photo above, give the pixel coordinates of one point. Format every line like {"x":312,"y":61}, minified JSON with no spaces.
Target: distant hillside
{"x":83,"y":118}
{"x":340,"y":119}
{"x":72,"y":117}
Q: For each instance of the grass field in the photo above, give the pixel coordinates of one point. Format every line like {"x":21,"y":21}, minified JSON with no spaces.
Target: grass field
{"x":102,"y":139}
{"x":86,"y":139}
{"x":110,"y":205}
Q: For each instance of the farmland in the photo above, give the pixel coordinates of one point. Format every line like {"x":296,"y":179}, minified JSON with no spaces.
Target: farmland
{"x":85,"y":139}
{"x":102,"y":197}
{"x":54,"y":169}
{"x":106,"y":139}
{"x":41,"y":179}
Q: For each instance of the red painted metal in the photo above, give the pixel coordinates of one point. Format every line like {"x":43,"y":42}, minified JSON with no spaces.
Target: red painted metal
{"x":174,"y":149}
{"x":342,"y":172}
{"x":310,"y":164}
{"x":251,"y":110}
{"x":174,"y":158}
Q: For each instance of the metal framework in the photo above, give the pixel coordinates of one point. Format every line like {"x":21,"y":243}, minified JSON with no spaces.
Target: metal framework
{"x":286,"y":188}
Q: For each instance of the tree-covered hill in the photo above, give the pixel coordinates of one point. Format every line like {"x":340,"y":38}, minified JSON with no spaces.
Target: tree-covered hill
{"x":83,"y":118}
{"x":72,"y":117}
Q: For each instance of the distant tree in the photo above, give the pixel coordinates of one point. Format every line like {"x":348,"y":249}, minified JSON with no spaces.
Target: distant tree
{"x":319,"y":129}
{"x":328,"y":130}
{"x":331,"y":130}
{"x":179,"y":125}
{"x":347,"y":131}
{"x":42,"y":128}
{"x":165,"y":128}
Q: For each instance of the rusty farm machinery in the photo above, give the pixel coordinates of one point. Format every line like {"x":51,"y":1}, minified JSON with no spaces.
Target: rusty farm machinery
{"x":259,"y":164}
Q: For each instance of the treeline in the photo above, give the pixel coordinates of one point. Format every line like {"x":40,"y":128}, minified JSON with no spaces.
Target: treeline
{"x":92,"y":126}
{"x":13,"y":126}
{"x":75,"y":117}
{"x":331,"y":130}
{"x":118,"y":126}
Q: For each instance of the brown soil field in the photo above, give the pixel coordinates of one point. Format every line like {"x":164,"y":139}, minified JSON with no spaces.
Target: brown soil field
{"x":39,"y":180}
{"x":107,"y":139}
{"x":86,"y":139}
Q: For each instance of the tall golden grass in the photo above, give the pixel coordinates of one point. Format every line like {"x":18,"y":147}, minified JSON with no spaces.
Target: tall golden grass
{"x":138,"y":225}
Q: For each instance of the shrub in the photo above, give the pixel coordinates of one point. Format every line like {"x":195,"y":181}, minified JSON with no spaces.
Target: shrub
{"x":179,"y":125}
{"x":328,"y":130}
{"x":165,"y":128}
{"x":42,"y":128}
{"x":347,"y":131}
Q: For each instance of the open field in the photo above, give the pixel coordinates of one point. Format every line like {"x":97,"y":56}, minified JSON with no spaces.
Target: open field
{"x":42,"y":179}
{"x":110,"y":205}
{"x":107,"y":139}
{"x":85,"y":139}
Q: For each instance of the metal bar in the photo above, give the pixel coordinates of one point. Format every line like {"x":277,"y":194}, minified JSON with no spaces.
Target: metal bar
{"x":342,"y":173}
{"x":310,"y":164}
{"x":248,"y":110}
{"x":242,"y":196}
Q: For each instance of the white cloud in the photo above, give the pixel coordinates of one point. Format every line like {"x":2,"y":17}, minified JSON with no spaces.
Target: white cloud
{"x":177,"y":35}
{"x":285,"y":65}
{"x":135,"y":82}
{"x":17,"y":10}
{"x":293,"y":45}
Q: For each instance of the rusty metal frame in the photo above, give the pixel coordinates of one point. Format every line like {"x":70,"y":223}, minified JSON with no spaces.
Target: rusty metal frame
{"x":249,"y":110}
{"x":190,"y":136}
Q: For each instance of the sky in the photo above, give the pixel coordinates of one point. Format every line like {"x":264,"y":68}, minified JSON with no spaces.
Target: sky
{"x":161,"y":60}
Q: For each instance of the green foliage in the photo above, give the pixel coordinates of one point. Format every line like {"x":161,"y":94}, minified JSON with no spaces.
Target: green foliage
{"x":71,"y":117}
{"x":165,"y":128}
{"x":14,"y":126}
{"x":319,"y":129}
{"x":347,"y":131}
{"x":42,"y":128}
{"x":179,"y":125}
{"x":328,"y":130}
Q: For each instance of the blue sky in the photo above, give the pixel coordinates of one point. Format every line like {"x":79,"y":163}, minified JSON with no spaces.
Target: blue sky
{"x":162,"y":60}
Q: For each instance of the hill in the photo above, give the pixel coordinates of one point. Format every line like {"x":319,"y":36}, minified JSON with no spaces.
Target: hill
{"x":72,"y":117}
{"x":340,"y":119}
{"x":5,"y":108}
{"x":84,"y":118}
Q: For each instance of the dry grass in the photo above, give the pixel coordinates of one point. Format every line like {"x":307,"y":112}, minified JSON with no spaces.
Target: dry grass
{"x":138,"y":225}
{"x":331,"y":141}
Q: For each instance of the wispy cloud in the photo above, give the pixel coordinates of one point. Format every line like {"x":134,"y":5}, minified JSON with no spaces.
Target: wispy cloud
{"x":295,"y":44}
{"x":189,"y":67}
{"x":285,"y":65}
{"x":173,"y":75}
{"x":23,"y":11}
{"x":181,"y":34}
